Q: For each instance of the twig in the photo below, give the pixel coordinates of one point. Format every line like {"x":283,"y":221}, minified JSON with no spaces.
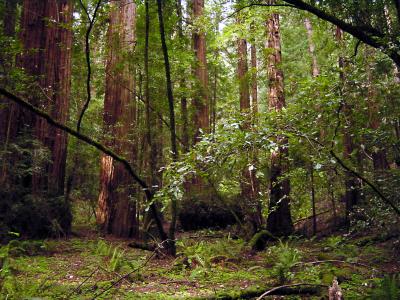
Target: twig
{"x":116,"y":273}
{"x":356,"y":49}
{"x":82,"y":283}
{"x":160,"y":246}
{"x":289,"y":285}
{"x":366,"y":181}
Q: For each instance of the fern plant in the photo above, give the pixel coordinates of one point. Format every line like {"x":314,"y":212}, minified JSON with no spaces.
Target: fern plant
{"x":388,"y":289}
{"x":286,"y":258}
{"x":116,"y":260}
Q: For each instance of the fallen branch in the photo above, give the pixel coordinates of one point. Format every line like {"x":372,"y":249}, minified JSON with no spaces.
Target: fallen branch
{"x":269,"y":292}
{"x":331,"y":261}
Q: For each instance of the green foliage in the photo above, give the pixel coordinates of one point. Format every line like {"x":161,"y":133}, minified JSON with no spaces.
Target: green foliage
{"x":388,"y":288}
{"x":201,"y":257}
{"x":115,"y":255}
{"x":35,"y":216}
{"x":10,"y":284}
{"x":286,"y":257}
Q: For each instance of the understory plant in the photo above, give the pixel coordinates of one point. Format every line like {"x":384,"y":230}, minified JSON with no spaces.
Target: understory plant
{"x":286,"y":258}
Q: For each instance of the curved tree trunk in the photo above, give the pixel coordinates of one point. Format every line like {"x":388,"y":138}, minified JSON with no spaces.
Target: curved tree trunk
{"x":116,"y":212}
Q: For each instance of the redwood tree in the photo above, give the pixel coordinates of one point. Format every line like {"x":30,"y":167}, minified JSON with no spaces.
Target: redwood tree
{"x":47,"y":41}
{"x":201,"y":100}
{"x":116,"y":212}
{"x":279,"y":220}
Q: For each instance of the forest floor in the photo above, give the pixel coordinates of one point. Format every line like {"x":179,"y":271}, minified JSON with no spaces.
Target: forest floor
{"x":210,"y":265}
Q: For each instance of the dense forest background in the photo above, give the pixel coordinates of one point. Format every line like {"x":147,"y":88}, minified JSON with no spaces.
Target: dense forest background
{"x":139,"y":122}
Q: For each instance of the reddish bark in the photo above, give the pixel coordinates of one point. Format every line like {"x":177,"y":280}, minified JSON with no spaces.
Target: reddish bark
{"x":47,"y":44}
{"x":311,"y":48}
{"x":242,"y":70}
{"x":116,"y":212}
{"x":279,"y":220}
{"x":254,"y":90}
{"x":201,"y":101}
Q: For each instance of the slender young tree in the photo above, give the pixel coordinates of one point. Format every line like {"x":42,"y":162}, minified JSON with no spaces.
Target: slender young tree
{"x":311,"y":48}
{"x":254,"y":83}
{"x":352,"y":193}
{"x":314,"y":73}
{"x":279,"y":220}
{"x":174,"y":149}
{"x":250,"y":185}
{"x":182,"y":82}
{"x":116,"y":212}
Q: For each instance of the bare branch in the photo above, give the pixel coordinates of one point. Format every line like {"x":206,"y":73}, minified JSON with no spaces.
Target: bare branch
{"x":87,"y":54}
{"x":257,"y":4}
{"x":81,"y":137}
{"x":370,"y":36}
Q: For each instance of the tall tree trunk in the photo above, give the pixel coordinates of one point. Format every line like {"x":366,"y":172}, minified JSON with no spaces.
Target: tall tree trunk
{"x":242,"y":70}
{"x":279,"y":220}
{"x":213,"y":100}
{"x":195,"y":188}
{"x":352,"y":194}
{"x":254,"y":89}
{"x":311,"y":48}
{"x":45,"y":27}
{"x":201,"y":100}
{"x":182,"y":83}
{"x":116,"y":212}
